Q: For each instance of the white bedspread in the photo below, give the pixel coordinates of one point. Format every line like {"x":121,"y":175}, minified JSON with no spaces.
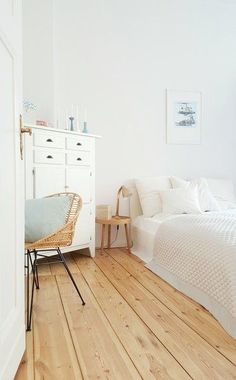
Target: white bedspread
{"x":197,"y":255}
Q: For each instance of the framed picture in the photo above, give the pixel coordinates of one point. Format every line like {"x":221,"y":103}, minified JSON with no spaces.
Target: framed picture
{"x":183,"y":117}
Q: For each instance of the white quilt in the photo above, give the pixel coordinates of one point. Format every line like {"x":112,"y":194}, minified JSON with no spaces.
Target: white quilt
{"x":197,"y":255}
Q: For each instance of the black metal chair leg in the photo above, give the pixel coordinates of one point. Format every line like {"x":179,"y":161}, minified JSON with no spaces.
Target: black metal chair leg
{"x":69,"y":273}
{"x":30,"y":310}
{"x":36,"y":270}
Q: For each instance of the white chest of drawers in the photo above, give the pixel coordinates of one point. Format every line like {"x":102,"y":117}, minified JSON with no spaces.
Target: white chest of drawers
{"x":58,"y":161}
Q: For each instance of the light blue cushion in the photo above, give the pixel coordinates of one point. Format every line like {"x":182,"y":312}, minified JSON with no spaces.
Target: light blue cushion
{"x":45,"y":216}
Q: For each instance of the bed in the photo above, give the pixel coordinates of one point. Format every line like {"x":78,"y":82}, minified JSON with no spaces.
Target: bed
{"x":196,"y":254}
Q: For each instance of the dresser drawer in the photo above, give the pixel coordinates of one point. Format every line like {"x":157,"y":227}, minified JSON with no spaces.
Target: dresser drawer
{"x":78,"y":143}
{"x":49,"y":139}
{"x":78,"y":158}
{"x":49,"y":156}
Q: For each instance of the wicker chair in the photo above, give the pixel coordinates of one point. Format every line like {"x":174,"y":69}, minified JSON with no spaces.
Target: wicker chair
{"x":61,"y":238}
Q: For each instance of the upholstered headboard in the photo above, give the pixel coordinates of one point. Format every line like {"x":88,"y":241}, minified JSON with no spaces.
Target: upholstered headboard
{"x":135,"y":206}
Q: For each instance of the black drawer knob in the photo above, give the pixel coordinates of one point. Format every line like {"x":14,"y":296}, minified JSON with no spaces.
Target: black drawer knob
{"x":79,"y":159}
{"x":49,"y":156}
{"x":49,"y":140}
{"x":79,"y":144}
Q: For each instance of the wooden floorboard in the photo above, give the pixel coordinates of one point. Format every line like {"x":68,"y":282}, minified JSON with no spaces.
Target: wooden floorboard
{"x":26,"y":368}
{"x":194,"y":315}
{"x":133,"y":326}
{"x":148,"y":354}
{"x":98,"y":349}
{"x":198,"y":357}
{"x":58,"y":268}
{"x":54,"y":353}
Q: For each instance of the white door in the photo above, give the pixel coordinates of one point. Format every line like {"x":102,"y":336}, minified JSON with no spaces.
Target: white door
{"x":12,"y":325}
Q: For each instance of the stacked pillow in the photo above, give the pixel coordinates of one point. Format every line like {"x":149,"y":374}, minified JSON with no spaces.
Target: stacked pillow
{"x":173,"y":195}
{"x":149,"y":193}
{"x":206,"y":200}
{"x":181,"y":200}
{"x":223,"y":192}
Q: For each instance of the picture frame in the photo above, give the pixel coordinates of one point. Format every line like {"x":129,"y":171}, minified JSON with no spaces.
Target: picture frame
{"x":184,"y":110}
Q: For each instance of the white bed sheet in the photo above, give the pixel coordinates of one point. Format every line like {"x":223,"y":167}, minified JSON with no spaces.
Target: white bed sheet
{"x":143,"y":234}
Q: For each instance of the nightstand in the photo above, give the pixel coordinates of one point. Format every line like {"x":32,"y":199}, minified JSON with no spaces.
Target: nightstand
{"x":114,"y":221}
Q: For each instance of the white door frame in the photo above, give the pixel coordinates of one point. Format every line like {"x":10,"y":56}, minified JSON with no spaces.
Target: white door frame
{"x":12,"y":321}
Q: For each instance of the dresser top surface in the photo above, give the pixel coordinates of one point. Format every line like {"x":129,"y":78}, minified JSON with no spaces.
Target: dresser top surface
{"x":57,"y":130}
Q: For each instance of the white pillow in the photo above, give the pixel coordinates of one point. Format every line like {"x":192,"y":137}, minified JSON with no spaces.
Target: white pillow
{"x":148,"y":191}
{"x":206,"y":199}
{"x":180,"y":201}
{"x":223,"y":191}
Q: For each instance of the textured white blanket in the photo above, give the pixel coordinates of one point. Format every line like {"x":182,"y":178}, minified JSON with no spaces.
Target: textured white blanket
{"x":197,"y":255}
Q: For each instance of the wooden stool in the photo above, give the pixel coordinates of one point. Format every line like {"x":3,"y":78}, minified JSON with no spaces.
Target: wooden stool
{"x":116,"y":221}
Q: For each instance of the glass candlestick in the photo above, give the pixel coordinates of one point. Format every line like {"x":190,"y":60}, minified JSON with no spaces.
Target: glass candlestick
{"x":85,"y":129}
{"x":72,"y":127}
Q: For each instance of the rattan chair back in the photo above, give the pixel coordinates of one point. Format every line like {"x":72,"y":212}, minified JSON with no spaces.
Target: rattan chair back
{"x":64,"y":236}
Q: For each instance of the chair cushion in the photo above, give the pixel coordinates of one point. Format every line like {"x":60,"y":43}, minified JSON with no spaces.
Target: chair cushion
{"x":45,"y":216}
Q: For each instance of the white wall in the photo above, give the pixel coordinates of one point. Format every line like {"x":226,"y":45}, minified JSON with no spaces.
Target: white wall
{"x":38,"y":84}
{"x":118,"y":57}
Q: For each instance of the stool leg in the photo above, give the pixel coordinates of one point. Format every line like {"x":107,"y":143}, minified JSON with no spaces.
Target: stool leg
{"x":103,"y":237}
{"x":109,"y":236}
{"x":127,"y":237}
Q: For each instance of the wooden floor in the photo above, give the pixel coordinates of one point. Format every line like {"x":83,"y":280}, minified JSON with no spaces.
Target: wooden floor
{"x":133,"y":326}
